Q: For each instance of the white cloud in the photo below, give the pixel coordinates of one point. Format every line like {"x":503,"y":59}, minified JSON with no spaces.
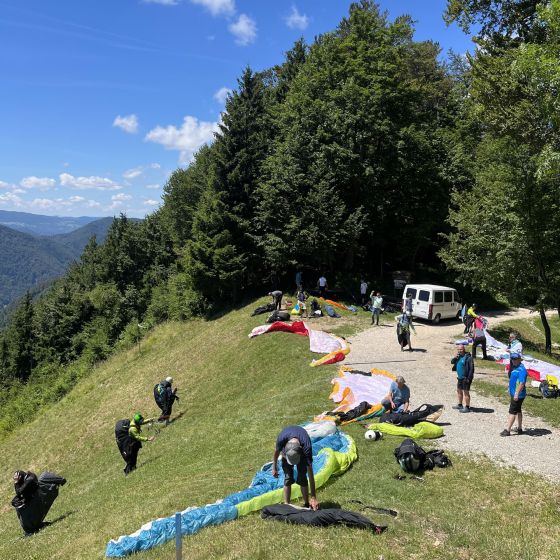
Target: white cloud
{"x":49,"y":203}
{"x":76,"y":199}
{"x":296,"y":20}
{"x":221,"y":95}
{"x":162,"y":2}
{"x":133,"y":173}
{"x":41,"y":183}
{"x":244,"y":30}
{"x":10,"y":198}
{"x":187,"y":139}
{"x":65,"y":164}
{"x":151,"y":202}
{"x":156,"y":186}
{"x":93,"y":182}
{"x":4,"y":185}
{"x":128,"y":123}
{"x":217,"y":7}
{"x":121,"y":197}
{"x":155,"y":166}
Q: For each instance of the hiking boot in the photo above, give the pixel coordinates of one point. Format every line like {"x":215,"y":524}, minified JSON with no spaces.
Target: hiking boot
{"x":465,"y":409}
{"x":518,"y":431}
{"x":457,"y":407}
{"x":505,"y":433}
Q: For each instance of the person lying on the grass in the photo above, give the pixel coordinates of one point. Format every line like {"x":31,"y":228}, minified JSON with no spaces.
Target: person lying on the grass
{"x":294,"y":445}
{"x":398,"y":397}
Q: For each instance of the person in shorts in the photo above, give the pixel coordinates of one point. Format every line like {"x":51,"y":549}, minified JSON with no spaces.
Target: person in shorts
{"x":294,"y":446}
{"x":517,"y":393}
{"x":464,"y":366}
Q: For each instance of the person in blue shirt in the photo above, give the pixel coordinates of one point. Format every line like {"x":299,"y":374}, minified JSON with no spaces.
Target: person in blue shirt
{"x":294,"y":446}
{"x":517,"y":392}
{"x":464,"y":366}
{"x":398,"y":397}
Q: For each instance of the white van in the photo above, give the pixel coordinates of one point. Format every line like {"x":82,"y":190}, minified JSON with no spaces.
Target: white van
{"x":433,"y":302}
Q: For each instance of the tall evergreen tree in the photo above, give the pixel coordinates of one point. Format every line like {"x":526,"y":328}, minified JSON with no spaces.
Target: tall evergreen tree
{"x":21,"y":337}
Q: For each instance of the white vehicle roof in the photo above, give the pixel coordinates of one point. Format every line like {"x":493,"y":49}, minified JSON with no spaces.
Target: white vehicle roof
{"x":428,"y":287}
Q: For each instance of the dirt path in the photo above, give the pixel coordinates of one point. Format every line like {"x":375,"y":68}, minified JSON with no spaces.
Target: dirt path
{"x":427,"y":372}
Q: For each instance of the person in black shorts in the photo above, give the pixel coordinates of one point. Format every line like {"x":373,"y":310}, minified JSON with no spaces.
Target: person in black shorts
{"x":294,"y":446}
{"x":517,"y":393}
{"x":464,"y":366}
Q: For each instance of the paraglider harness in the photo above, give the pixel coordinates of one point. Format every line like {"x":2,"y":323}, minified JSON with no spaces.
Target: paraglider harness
{"x":549,"y":390}
{"x":412,"y":458}
{"x":163,"y":397}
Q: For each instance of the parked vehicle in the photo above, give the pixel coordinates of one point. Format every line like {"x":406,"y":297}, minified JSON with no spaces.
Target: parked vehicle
{"x":433,"y":302}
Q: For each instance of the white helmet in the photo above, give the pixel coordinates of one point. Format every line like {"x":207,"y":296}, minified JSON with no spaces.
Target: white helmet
{"x":374,"y":435}
{"x":169,"y":379}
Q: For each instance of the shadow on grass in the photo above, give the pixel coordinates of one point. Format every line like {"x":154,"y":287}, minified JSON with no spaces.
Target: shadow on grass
{"x":329,"y":504}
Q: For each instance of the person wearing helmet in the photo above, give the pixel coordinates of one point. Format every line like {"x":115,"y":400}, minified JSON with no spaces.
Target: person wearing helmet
{"x":294,"y":446}
{"x":128,"y":434}
{"x":165,"y":396}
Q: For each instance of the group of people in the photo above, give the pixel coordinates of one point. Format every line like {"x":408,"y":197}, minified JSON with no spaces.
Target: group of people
{"x":128,"y":433}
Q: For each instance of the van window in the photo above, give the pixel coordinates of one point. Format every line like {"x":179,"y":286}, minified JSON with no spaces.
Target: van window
{"x":448,"y":297}
{"x":438,"y":297}
{"x":456,"y":297}
{"x":411,"y":292}
{"x":424,"y":295}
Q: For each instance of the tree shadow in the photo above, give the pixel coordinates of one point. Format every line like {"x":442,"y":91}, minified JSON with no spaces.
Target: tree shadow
{"x":481,"y":410}
{"x":536,"y":432}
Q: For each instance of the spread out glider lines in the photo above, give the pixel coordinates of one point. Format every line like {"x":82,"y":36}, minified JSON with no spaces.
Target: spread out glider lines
{"x":320,"y":342}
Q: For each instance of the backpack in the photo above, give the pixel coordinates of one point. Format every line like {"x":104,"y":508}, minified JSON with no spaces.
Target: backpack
{"x":121,"y":432}
{"x":549,"y":390}
{"x":278,"y":316}
{"x":436,"y":458}
{"x":159,"y":393}
{"x":410,"y":456}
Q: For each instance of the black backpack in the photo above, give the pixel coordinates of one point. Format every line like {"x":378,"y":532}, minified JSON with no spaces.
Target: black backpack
{"x":548,"y":390}
{"x":159,"y":394}
{"x":121,"y":432}
{"x":436,"y":458}
{"x":410,"y":456}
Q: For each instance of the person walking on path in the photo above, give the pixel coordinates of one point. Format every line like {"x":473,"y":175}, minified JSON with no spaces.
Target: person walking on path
{"x":322,"y":285}
{"x":363,"y":291}
{"x":276,"y":299}
{"x":128,"y":434}
{"x":517,"y":393}
{"x":398,"y":397}
{"x":464,"y":366}
{"x":479,"y":337}
{"x":294,"y":446}
{"x":376,"y":304}
{"x":165,"y":396}
{"x":408,"y":305}
{"x":514,"y":346}
{"x":470,"y":317}
{"x":404,"y":325}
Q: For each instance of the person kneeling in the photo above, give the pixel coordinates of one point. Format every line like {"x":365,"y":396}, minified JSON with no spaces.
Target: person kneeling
{"x":398,"y":397}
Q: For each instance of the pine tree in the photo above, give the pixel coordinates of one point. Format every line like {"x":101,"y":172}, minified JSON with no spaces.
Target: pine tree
{"x":21,"y":343}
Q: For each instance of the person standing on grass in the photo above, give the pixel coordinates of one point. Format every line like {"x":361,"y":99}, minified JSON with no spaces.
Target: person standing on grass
{"x":276,"y":299}
{"x":517,"y":393}
{"x":479,"y":337}
{"x":165,"y":396}
{"x":363,"y":291}
{"x":398,"y":397}
{"x":301,"y":297}
{"x":464,"y":366}
{"x":25,"y":486}
{"x":376,"y":304}
{"x":294,"y":446}
{"x":470,"y":317}
{"x":514,"y":346}
{"x":129,"y":439}
{"x":323,"y":286}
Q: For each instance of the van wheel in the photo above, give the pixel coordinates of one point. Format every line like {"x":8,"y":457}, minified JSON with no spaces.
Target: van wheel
{"x":436,"y":319}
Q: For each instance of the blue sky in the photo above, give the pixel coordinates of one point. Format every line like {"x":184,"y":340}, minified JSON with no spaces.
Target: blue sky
{"x":101,"y":100}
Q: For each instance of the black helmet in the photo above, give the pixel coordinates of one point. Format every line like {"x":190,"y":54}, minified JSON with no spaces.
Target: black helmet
{"x":18,"y":475}
{"x":409,"y":463}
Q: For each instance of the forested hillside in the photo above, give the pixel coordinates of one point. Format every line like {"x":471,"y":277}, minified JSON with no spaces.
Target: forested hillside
{"x":28,"y":262}
{"x":36,"y":224}
{"x":364,"y":152}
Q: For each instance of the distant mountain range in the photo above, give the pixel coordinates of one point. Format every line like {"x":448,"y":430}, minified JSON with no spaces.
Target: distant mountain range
{"x":35,"y":224}
{"x":30,"y":262}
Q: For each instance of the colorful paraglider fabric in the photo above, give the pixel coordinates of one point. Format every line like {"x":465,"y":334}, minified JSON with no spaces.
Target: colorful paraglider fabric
{"x":335,"y":304}
{"x":320,"y":342}
{"x":422,"y":430}
{"x":332,"y":455}
{"x":350,"y":389}
{"x":537,"y":369}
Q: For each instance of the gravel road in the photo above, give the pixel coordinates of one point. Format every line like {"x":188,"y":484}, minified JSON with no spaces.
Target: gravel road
{"x":427,"y":371}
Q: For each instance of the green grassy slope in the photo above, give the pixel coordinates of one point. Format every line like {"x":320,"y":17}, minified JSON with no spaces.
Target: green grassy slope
{"x":237,"y":394}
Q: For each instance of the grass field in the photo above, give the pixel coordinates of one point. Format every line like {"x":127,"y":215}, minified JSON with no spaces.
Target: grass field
{"x":237,"y":394}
